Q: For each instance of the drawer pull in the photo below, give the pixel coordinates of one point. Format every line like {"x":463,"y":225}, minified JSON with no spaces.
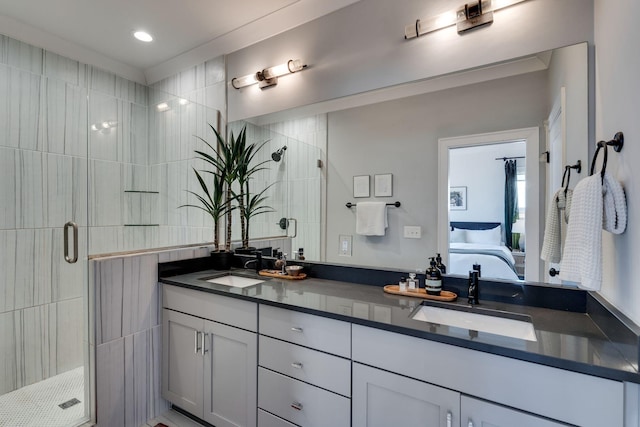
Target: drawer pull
{"x":297,"y":365}
{"x":470,"y":423}
{"x":449,"y":419}
{"x":297,"y":406}
{"x":296,"y":329}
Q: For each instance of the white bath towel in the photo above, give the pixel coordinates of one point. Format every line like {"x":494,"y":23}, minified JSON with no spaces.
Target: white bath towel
{"x":371,"y":218}
{"x":615,"y":205}
{"x":557,"y":218}
{"x":582,"y":256}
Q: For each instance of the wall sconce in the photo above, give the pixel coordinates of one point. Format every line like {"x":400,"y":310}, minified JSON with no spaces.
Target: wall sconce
{"x":269,"y":76}
{"x":467,"y":17}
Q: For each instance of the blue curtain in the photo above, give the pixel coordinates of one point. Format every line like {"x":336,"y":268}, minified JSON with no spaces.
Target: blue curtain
{"x":510,"y":199}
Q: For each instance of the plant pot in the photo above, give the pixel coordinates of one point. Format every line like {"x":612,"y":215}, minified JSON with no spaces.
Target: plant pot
{"x":221,"y":260}
{"x":246,"y":251}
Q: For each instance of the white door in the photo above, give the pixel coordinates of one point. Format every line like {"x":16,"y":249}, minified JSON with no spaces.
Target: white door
{"x":383,"y":399}
{"x":556,"y":141}
{"x":230,"y":372}
{"x":182,"y":362}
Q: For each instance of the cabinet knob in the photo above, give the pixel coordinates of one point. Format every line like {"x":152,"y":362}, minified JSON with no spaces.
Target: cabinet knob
{"x":297,"y":365}
{"x":296,"y":329}
{"x":297,"y":406}
{"x":470,"y":423}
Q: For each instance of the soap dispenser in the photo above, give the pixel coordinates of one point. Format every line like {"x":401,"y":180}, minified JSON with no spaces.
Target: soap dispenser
{"x":433,"y":279}
{"x":440,"y":265}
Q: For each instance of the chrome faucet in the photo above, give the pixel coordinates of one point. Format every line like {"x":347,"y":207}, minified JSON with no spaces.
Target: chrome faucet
{"x":474,"y":289}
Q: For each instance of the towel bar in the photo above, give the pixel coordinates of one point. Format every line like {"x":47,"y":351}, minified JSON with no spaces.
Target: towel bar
{"x":396,"y":204}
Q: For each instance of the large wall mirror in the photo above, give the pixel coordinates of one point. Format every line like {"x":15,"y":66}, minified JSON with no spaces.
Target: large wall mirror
{"x":397,"y":131}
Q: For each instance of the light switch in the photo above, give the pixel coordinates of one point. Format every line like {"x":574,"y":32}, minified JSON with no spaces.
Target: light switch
{"x":412,"y":232}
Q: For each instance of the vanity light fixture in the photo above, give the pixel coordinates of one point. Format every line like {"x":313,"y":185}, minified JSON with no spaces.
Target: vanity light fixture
{"x":467,"y":17}
{"x":269,"y":76}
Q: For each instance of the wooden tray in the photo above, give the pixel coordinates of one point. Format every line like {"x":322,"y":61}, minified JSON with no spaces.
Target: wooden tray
{"x":277,"y":274}
{"x":421,"y":293}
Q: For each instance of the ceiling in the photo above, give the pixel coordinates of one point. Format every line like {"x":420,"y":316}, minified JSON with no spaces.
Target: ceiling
{"x":183,"y":30}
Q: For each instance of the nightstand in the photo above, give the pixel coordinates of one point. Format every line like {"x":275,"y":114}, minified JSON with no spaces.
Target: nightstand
{"x":519,"y":258}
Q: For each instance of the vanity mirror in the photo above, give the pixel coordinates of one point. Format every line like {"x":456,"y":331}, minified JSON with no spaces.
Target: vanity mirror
{"x":397,"y":130}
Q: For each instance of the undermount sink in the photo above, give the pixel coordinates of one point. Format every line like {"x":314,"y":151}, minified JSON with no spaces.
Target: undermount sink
{"x":472,"y":318}
{"x":234,"y":281}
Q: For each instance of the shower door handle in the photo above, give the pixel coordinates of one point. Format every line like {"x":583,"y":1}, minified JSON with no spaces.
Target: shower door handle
{"x":74,"y":226}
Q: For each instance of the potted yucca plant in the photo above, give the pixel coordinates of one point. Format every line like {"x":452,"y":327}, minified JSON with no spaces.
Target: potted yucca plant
{"x":227,"y":186}
{"x":216,"y":198}
{"x":249,"y":205}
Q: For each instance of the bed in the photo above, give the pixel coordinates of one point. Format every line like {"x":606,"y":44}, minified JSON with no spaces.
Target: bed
{"x":480,"y":243}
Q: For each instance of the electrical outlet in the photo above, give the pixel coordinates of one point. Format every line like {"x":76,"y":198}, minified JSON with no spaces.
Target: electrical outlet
{"x":412,"y":232}
{"x":344,"y":247}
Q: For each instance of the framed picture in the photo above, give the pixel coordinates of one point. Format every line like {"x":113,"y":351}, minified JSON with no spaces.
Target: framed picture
{"x":361,"y":186}
{"x":458,"y":198}
{"x":383,"y":185}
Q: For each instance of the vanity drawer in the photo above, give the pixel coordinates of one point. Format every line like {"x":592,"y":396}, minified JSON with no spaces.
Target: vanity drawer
{"x":321,"y":333}
{"x":266,"y":419}
{"x":227,"y":310}
{"x":301,"y":403}
{"x":324,"y":370}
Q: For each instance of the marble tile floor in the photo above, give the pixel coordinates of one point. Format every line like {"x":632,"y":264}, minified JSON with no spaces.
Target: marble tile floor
{"x":172,"y":418}
{"x":36,"y":405}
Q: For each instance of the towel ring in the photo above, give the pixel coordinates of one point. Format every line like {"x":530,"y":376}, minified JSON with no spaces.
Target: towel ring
{"x":601,"y":144}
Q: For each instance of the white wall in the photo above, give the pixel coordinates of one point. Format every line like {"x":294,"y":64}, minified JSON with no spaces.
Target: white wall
{"x":362,"y":47}
{"x":401,"y":137}
{"x":477,"y":169}
{"x":617,"y":109}
{"x":567,"y":70}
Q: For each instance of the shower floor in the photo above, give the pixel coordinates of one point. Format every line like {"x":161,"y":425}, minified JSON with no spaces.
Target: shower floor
{"x":37,"y":404}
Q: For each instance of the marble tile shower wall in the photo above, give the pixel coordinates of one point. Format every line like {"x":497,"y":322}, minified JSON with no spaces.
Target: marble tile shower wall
{"x":305,"y":178}
{"x":195,"y":98}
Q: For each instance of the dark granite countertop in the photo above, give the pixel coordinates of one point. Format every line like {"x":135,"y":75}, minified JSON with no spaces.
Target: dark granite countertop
{"x":565,"y":339}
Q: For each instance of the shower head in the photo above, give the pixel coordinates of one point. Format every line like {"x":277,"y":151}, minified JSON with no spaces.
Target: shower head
{"x":277,"y":155}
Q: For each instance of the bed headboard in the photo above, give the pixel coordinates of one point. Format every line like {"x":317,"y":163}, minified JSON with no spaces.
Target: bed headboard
{"x":474,"y":225}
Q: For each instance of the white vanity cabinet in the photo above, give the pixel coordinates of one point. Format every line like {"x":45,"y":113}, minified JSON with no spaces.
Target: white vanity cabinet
{"x":209,"y":356}
{"x":382,"y":399}
{"x":478,"y":413}
{"x":304,"y":374}
{"x":528,"y":389}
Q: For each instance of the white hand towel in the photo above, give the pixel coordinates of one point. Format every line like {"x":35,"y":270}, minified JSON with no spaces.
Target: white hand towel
{"x":371,"y":218}
{"x":582,"y":255}
{"x":615,"y":205}
{"x":557,"y":214}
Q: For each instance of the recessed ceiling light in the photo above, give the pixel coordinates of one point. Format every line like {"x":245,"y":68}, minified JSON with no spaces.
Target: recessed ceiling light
{"x":143,"y":36}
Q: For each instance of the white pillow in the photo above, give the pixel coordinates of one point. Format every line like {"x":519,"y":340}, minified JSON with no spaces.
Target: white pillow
{"x":490,"y":237}
{"x":458,"y":235}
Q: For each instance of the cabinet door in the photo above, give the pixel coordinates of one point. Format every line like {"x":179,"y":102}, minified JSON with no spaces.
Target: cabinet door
{"x":182,"y":361}
{"x":478,"y":413}
{"x":382,"y":399}
{"x":230,"y":371}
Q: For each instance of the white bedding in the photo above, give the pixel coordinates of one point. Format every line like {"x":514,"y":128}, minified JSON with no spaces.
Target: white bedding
{"x":492,"y":266}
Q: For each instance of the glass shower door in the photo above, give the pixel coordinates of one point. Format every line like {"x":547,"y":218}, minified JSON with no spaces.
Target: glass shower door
{"x":43,"y":186}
